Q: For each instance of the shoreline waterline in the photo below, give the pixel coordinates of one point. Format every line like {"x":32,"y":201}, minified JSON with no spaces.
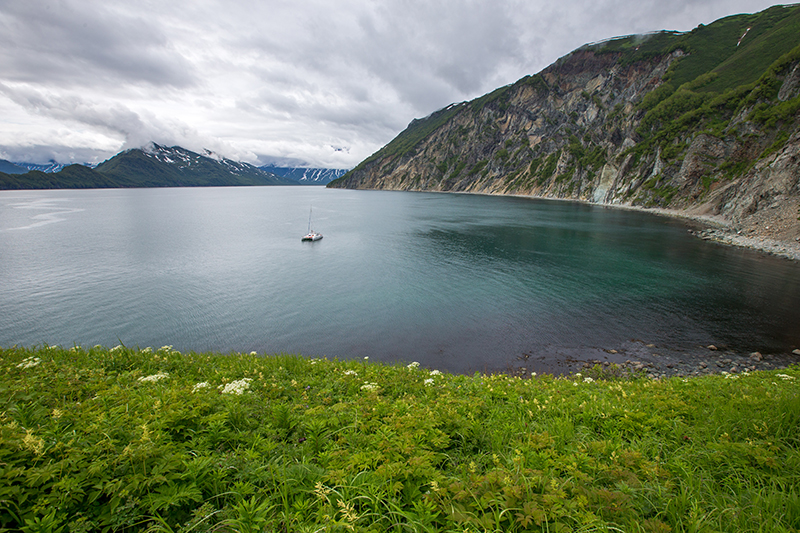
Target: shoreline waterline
{"x":715,"y":228}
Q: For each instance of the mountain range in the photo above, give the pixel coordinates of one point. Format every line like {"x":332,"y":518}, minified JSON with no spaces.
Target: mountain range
{"x":159,"y":166}
{"x":306,"y":176}
{"x":705,"y":121}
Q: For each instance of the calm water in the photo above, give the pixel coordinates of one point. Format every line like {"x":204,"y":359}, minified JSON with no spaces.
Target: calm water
{"x":457,"y":282}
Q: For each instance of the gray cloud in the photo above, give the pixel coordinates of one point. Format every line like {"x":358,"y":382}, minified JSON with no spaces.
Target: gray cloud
{"x":279,"y":79}
{"x":86,"y":42}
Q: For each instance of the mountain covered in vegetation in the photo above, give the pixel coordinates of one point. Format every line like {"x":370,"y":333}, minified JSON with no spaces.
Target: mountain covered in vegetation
{"x":152,"y":166}
{"x":705,"y":121}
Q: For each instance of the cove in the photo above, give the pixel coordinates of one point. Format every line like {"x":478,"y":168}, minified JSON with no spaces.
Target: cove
{"x":457,"y":282}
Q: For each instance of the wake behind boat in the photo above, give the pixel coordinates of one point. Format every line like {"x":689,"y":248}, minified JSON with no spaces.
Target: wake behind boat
{"x":311,"y":235}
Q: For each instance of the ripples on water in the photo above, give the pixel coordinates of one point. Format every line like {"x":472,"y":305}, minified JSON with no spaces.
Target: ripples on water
{"x":458,"y":282}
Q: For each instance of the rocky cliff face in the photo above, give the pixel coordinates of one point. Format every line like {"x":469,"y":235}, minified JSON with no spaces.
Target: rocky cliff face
{"x":609,"y":124}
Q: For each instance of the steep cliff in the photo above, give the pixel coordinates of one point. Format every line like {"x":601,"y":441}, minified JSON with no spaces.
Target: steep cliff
{"x":705,"y":122}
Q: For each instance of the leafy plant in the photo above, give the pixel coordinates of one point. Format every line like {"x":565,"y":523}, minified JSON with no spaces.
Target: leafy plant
{"x":129,"y":439}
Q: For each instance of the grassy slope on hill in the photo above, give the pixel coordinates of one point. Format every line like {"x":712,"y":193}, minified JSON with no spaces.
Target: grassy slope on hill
{"x":135,"y":439}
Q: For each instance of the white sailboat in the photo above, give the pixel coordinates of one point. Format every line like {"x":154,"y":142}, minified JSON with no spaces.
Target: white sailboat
{"x":311,"y":235}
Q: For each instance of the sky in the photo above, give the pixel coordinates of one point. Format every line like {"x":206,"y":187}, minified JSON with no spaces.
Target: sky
{"x":320,"y":83}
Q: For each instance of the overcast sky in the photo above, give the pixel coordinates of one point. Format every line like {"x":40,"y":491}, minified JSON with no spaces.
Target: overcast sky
{"x":309,"y":82}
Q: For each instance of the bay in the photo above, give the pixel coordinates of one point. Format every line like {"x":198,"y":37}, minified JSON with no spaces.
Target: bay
{"x":457,"y":282}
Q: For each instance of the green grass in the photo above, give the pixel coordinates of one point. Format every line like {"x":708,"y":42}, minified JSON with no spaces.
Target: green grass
{"x":126,"y":440}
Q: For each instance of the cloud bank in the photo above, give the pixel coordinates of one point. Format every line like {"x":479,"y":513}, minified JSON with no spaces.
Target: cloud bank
{"x":312,"y":81}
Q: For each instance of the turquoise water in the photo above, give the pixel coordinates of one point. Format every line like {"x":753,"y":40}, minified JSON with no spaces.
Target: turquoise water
{"x":457,"y":282}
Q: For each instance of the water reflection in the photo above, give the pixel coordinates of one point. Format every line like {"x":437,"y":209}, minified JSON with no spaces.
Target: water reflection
{"x":458,"y":282}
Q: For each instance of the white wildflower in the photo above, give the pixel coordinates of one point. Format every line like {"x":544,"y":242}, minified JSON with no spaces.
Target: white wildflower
{"x":236,"y":387}
{"x":116,"y":348}
{"x":154,"y":377}
{"x":367,"y":386}
{"x":201,"y":385}
{"x":33,"y":443}
{"x":435,"y":373}
{"x":413,"y":365}
{"x":350,"y":373}
{"x":147,"y":350}
{"x":366,"y":358}
{"x":167,"y":348}
{"x":587,"y":379}
{"x":29,"y":362}
{"x":784,"y":377}
{"x":428,"y":381}
{"x":253,"y":353}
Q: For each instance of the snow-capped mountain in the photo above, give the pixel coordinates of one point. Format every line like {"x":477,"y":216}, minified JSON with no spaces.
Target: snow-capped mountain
{"x":306,"y":176}
{"x":173,"y":166}
{"x":186,"y":159}
{"x":48,"y":168}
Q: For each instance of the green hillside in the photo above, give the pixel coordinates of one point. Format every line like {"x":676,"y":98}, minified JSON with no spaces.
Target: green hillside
{"x":70,"y":177}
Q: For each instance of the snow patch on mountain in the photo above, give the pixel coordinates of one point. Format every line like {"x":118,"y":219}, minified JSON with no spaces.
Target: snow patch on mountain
{"x":306,"y":176}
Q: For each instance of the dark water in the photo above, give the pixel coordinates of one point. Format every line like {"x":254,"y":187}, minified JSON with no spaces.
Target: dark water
{"x":456,"y":282}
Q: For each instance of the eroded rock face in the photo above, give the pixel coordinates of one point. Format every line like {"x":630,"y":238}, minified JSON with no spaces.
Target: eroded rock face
{"x":791,"y":85}
{"x":573,"y":132}
{"x":766,"y":201}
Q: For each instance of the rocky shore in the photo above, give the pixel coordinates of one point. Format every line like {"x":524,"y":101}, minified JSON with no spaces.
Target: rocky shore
{"x":787,"y":249}
{"x":635,"y":357}
{"x":776,"y":232}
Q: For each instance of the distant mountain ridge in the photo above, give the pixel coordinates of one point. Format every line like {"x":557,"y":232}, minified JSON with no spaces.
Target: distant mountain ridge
{"x":706,"y":121}
{"x":48,"y":168}
{"x":152,"y":166}
{"x":307,"y":176}
{"x":158,"y":166}
{"x":162,"y":166}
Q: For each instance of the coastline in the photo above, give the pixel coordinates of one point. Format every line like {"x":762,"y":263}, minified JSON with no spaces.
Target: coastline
{"x":637,"y":357}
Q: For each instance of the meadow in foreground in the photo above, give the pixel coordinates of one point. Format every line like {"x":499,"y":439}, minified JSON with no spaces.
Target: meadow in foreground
{"x":125,"y":440}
